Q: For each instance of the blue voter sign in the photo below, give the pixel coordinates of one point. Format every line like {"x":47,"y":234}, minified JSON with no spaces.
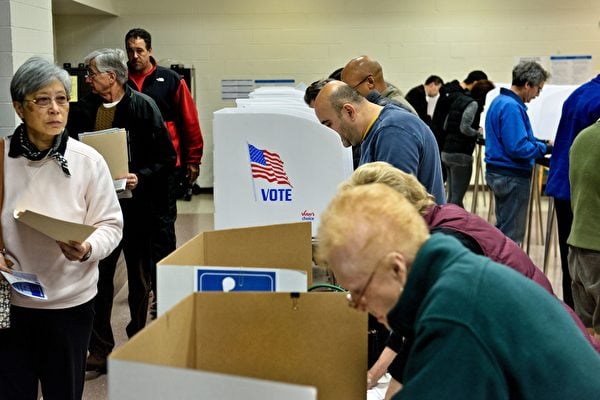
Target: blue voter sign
{"x":238,"y":280}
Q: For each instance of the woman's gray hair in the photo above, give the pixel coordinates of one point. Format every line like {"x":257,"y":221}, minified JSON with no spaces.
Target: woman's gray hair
{"x":529,"y":72}
{"x":34,"y":74}
{"x":110,"y":60}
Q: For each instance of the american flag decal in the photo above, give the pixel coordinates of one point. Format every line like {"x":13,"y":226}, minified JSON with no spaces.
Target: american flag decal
{"x":267,"y":165}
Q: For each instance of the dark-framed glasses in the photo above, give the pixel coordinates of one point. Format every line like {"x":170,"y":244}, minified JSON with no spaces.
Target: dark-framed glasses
{"x":538,"y":87}
{"x":91,"y":74}
{"x":46,"y":101}
{"x":361,"y":82}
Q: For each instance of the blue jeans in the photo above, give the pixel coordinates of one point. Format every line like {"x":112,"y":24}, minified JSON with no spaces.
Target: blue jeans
{"x":511,"y":194}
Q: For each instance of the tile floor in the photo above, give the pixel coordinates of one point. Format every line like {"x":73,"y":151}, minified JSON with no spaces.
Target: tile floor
{"x":197,"y":216}
{"x":193,"y":217}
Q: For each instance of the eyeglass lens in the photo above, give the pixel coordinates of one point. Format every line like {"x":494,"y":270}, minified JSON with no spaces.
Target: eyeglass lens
{"x":45,"y":101}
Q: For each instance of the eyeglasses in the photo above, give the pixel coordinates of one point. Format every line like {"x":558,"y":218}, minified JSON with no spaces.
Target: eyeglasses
{"x":538,"y":87}
{"x":361,"y":82}
{"x":46,"y":101}
{"x":354,"y":300}
{"x":91,"y":74}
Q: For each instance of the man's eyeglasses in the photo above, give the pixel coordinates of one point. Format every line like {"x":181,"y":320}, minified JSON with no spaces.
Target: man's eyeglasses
{"x":354,"y":300}
{"x":46,"y":101}
{"x":361,"y":82}
{"x":538,"y":87}
{"x":91,"y":74}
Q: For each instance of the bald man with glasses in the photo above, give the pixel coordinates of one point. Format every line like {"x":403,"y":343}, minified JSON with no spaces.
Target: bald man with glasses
{"x":366,"y":75}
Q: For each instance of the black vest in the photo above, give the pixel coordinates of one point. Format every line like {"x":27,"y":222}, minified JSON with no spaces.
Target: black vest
{"x":456,"y":141}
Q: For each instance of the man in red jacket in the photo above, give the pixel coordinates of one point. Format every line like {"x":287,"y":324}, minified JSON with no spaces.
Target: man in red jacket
{"x":172,"y":95}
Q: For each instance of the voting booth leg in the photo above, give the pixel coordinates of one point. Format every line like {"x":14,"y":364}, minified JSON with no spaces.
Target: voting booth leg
{"x":491,"y":216}
{"x":478,"y":181}
{"x":534,"y":208}
{"x":551,"y":234}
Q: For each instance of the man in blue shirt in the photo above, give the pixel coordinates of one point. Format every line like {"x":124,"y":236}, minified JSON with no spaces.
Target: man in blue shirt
{"x":580,"y":110}
{"x":385,"y":133}
{"x":511,"y":148}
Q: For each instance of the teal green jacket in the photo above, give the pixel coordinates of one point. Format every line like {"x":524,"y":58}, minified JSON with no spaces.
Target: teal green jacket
{"x":486,"y":332}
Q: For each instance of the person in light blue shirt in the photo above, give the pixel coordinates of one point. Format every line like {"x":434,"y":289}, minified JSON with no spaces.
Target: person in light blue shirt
{"x":511,"y":148}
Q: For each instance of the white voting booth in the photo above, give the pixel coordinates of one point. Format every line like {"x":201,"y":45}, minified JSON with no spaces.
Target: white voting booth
{"x":544,"y":111}
{"x":274,"y":162}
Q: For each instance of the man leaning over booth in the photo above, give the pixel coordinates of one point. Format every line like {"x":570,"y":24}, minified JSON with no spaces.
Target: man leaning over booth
{"x":385,"y":133}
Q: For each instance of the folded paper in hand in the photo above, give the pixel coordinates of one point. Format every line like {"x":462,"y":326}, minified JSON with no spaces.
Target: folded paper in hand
{"x":26,"y":284}
{"x":57,"y":229}
{"x":120,"y":184}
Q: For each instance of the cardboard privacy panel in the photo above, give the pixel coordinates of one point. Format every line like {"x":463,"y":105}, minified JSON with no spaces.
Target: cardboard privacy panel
{"x":308,"y":339}
{"x":285,"y":246}
{"x":272,"y":246}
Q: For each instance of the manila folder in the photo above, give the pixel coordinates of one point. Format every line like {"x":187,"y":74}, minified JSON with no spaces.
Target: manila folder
{"x":112,"y":145}
{"x":57,"y":229}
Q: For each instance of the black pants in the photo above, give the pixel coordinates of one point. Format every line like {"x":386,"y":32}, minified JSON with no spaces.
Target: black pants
{"x":564,"y":220}
{"x":137,"y":251}
{"x":45,"y":345}
{"x":378,"y":335}
{"x":163,"y":239}
{"x":401,"y":346}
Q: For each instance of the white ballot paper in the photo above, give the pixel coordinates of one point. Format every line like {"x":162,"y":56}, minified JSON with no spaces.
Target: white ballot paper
{"x":26,"y":284}
{"x":120,"y":184}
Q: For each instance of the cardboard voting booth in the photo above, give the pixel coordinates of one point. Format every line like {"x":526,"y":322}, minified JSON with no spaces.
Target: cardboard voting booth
{"x":246,"y":345}
{"x":177,"y":282}
{"x":285,"y":249}
{"x":274,"y":163}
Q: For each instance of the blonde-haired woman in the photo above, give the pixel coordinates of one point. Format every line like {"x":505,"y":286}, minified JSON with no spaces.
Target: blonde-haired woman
{"x":472,"y":231}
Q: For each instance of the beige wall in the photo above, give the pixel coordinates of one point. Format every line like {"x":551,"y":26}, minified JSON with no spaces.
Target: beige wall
{"x":307,"y":39}
{"x":25,"y":30}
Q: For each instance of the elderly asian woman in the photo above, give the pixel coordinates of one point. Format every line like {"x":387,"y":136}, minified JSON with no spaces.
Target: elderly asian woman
{"x":49,"y":173}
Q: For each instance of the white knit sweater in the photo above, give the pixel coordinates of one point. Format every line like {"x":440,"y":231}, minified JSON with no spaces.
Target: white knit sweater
{"x":87,"y":196}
